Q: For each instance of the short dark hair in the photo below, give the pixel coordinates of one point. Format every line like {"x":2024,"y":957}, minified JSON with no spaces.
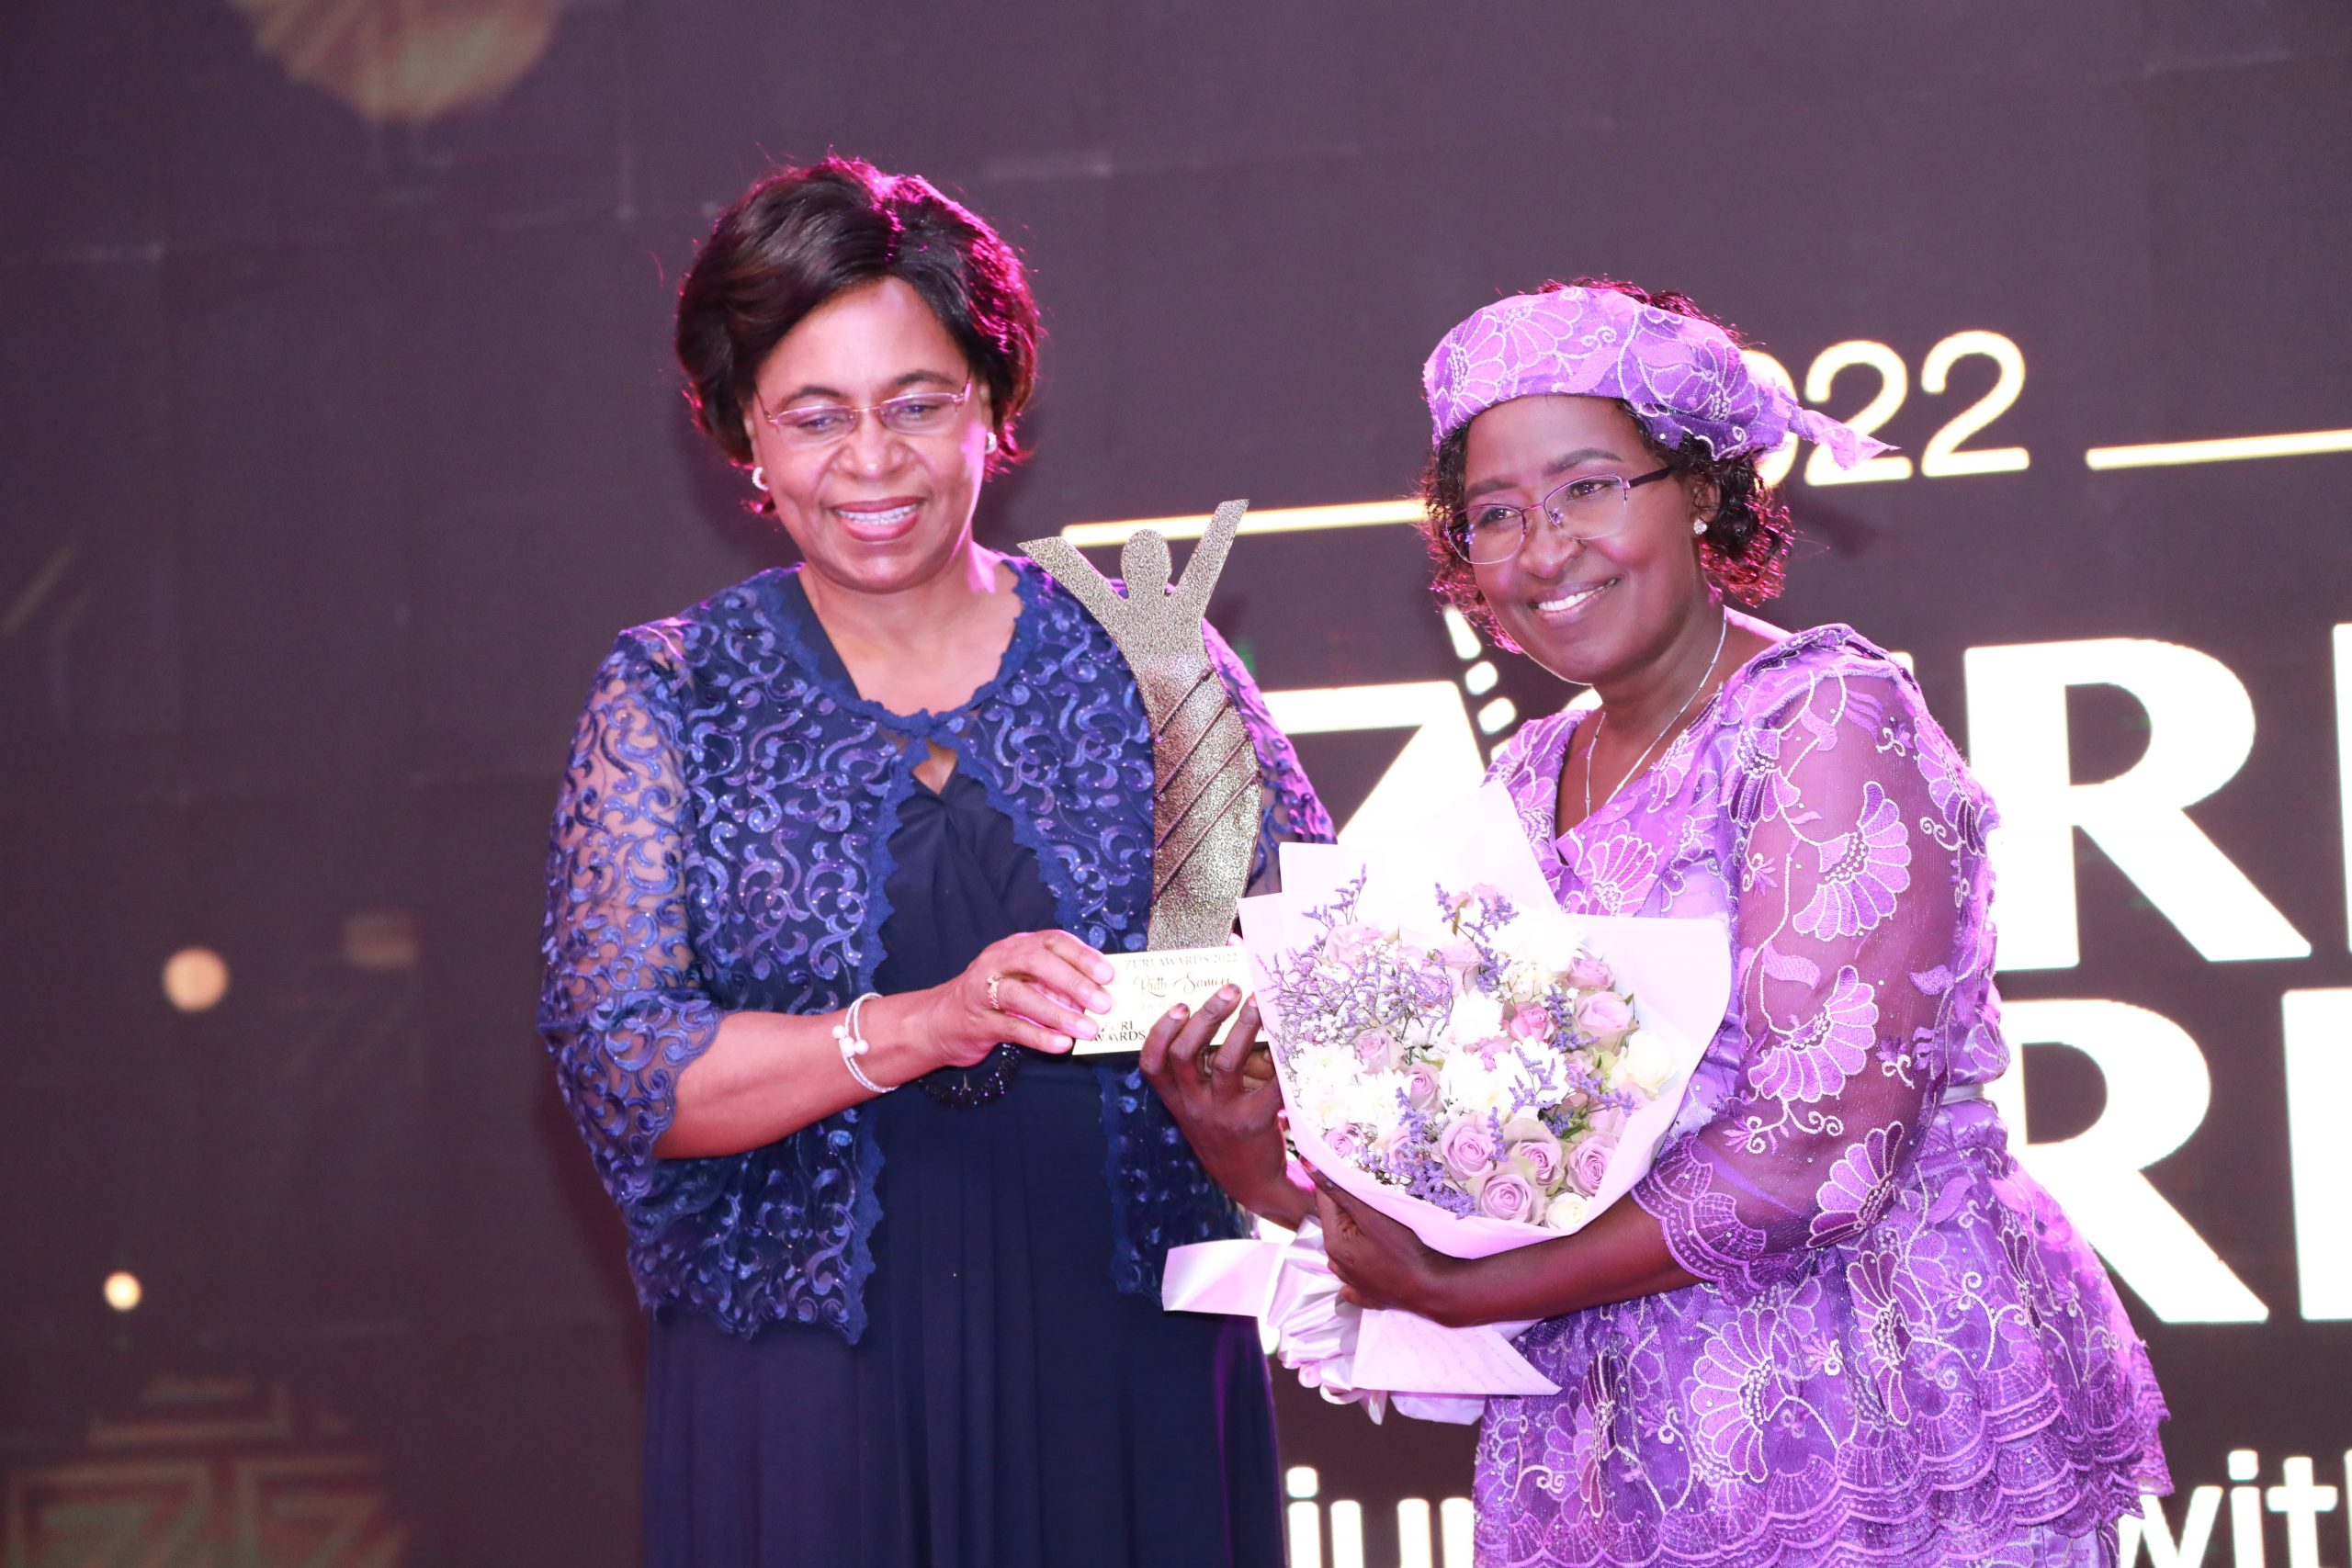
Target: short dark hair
{"x":1745,"y":549}
{"x":799,"y":236}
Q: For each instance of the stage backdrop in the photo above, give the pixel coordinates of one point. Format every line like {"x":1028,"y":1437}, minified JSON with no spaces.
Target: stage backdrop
{"x":339,"y":437}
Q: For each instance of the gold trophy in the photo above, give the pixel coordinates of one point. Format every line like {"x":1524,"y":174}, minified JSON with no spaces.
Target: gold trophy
{"x":1207,"y":796}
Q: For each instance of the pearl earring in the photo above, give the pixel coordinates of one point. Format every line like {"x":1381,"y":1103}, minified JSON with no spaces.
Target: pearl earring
{"x":758,"y":478}
{"x":1698,"y":526}
{"x":992,"y":444}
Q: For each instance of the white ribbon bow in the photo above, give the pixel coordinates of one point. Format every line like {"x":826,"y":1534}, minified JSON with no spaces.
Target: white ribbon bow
{"x":1353,"y":1356}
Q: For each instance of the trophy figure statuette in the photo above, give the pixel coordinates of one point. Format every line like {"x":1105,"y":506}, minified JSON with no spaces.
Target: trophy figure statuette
{"x":1207,"y":795}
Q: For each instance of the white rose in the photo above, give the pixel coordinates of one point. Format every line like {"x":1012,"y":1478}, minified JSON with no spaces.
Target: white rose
{"x":1646,"y":1063}
{"x":1565,"y":1212}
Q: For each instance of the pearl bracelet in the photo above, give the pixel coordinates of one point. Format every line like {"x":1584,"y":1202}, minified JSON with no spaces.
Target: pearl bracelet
{"x":852,"y":1040}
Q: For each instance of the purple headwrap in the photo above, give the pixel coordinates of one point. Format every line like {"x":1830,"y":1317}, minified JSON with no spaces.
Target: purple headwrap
{"x":1680,"y":377}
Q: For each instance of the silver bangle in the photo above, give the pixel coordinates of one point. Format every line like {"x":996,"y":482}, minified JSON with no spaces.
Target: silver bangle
{"x":852,"y":1040}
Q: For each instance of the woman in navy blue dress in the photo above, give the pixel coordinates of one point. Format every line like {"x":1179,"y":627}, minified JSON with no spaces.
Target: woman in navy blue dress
{"x":838,"y":855}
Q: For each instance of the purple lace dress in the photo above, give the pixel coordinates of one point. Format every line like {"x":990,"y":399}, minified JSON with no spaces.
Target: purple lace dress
{"x":1900,"y":1352}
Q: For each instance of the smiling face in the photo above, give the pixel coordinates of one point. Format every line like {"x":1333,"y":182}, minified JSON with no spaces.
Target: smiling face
{"x":873,"y":511}
{"x":1597,"y":611}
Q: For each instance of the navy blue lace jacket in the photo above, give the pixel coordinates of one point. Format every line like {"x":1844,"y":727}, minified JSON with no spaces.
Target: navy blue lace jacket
{"x":722,"y":844}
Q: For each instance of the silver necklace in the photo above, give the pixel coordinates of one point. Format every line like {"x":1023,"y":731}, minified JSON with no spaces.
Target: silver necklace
{"x":1602,"y":717}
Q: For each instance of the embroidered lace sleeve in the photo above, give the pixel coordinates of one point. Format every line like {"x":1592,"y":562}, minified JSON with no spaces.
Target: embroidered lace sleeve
{"x":1851,"y":931}
{"x":620,"y":1006}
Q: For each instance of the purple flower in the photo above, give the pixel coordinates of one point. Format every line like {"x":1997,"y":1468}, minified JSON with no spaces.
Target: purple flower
{"x":1757,"y":789}
{"x":1422,"y":1090}
{"x":1617,"y":874}
{"x":1735,"y":1388}
{"x":1815,"y":1058}
{"x":1534,"y":1149}
{"x":1588,"y":1162}
{"x":1860,"y":1185}
{"x":1588,"y":974}
{"x":1604,"y":1017}
{"x":1467,"y":1147}
{"x":1862,"y":872}
{"x":1506,"y":1195}
{"x":1376,"y":1050}
{"x":1891,"y":1310}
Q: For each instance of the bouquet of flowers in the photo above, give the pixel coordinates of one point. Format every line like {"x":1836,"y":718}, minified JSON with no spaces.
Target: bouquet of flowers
{"x":1479,"y":1071}
{"x":1456,"y":1053}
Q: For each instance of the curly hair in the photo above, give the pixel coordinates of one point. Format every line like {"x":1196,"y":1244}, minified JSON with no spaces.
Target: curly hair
{"x":799,"y":236}
{"x":1744,"y":551}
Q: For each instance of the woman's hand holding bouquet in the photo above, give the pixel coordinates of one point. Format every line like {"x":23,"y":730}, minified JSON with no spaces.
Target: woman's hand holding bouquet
{"x":1458,"y":1061}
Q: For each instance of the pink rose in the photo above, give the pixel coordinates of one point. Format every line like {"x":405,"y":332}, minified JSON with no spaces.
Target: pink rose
{"x":1460,"y":959}
{"x":1347,"y":943}
{"x":1506,"y":1195}
{"x":1421,"y":1087}
{"x":1529,"y":1021}
{"x":1588,"y":1162}
{"x":1589,"y":974}
{"x":1604,"y":1017}
{"x":1486,"y":893}
{"x":1467,"y":1148}
{"x":1376,"y":1050}
{"x":1345,"y":1142}
{"x":1533,"y":1147}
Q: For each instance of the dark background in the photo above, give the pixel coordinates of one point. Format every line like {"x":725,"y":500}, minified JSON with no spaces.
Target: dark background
{"x":338,"y":436}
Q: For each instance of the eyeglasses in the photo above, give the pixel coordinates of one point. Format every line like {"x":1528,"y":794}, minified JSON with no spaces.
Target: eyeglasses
{"x":1589,"y":507}
{"x":821,"y":424}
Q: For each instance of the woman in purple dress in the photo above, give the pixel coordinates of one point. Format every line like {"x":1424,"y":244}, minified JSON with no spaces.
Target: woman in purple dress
{"x":1838,"y":1324}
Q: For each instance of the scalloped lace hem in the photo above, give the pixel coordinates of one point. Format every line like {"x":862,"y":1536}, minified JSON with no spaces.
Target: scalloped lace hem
{"x":1850,"y":1532}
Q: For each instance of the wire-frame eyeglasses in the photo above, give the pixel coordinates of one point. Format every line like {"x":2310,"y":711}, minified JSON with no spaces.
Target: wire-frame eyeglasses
{"x":1589,"y":507}
{"x":915,"y":414}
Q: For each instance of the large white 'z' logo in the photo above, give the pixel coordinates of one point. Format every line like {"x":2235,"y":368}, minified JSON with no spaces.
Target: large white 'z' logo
{"x":1440,"y":760}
